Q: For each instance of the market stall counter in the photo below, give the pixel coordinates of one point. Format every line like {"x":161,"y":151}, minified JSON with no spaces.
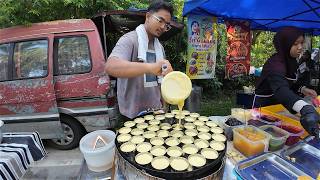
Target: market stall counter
{"x":230,"y":162}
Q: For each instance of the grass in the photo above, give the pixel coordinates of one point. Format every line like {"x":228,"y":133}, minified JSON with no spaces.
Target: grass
{"x":219,"y":104}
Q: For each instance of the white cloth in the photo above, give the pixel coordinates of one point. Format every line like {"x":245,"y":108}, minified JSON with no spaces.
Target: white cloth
{"x":143,"y":42}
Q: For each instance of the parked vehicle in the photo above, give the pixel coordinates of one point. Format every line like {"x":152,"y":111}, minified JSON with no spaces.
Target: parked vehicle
{"x":52,"y":76}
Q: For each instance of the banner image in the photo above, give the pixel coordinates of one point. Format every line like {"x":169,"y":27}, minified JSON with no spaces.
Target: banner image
{"x":238,"y":50}
{"x":202,"y":47}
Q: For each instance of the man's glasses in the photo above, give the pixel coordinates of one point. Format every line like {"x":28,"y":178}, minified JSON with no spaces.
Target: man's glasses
{"x":167,"y":25}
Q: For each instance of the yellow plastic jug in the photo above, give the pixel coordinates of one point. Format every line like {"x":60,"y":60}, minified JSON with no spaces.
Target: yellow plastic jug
{"x":175,"y":88}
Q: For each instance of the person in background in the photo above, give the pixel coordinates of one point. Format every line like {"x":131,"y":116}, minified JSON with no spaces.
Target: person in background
{"x":138,"y":61}
{"x":279,"y":82}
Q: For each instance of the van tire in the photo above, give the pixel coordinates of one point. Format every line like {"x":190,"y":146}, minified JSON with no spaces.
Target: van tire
{"x":73,"y":132}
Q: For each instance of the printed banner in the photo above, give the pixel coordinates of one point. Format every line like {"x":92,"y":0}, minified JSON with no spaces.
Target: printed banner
{"x":238,"y":50}
{"x":202,"y":47}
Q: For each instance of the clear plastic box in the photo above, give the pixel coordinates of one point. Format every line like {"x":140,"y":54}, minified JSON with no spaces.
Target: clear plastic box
{"x":229,"y":129}
{"x":278,"y":136}
{"x":250,"y":140}
{"x":294,"y":133}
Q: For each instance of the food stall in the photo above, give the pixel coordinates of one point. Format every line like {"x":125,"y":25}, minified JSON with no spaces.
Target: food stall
{"x":248,"y":144}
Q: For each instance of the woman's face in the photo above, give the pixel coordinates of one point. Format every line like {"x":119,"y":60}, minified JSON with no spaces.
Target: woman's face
{"x":297,"y":47}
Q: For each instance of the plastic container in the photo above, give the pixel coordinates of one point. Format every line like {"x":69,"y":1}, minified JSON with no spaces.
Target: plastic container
{"x":250,"y":140}
{"x":294,"y":133}
{"x":98,"y":155}
{"x":278,"y":136}
{"x":241,"y":114}
{"x":264,"y":120}
{"x":228,"y":127}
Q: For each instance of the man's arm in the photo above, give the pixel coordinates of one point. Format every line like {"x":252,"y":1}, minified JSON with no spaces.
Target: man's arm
{"x":126,"y":69}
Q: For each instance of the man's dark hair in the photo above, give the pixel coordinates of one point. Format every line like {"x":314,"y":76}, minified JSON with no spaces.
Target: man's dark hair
{"x":155,"y":6}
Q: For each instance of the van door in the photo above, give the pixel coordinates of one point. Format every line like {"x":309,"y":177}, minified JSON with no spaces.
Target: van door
{"x":27,"y":97}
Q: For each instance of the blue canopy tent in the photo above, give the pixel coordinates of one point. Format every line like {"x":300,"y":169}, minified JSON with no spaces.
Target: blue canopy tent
{"x":263,"y":14}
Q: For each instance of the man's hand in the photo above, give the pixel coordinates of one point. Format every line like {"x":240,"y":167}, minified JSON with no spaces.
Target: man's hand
{"x":309,"y":92}
{"x":310,"y":120}
{"x":156,"y":68}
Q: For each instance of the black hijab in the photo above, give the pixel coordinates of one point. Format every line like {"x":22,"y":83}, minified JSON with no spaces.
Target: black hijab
{"x":281,"y":62}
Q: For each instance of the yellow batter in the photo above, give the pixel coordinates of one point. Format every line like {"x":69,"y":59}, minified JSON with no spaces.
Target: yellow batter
{"x":211,"y":124}
{"x":144,"y":147}
{"x":209,"y":153}
{"x":172,"y":141}
{"x":176,"y":133}
{"x":149,"y":134}
{"x":138,"y":120}
{"x":197,"y":160}
{"x":186,"y":139}
{"x":217,"y":130}
{"x":153,"y":128}
{"x":154,"y":122}
{"x":142,"y":125}
{"x":198,"y":123}
{"x":163,"y":133}
{"x":204,"y":135}
{"x":129,"y":124}
{"x":203,"y":118}
{"x":143,"y":158}
{"x":189,"y":126}
{"x":136,"y":132}
{"x":200,"y":143}
{"x":165,"y":126}
{"x":169,"y":115}
{"x":203,"y":128}
{"x":194,"y":115}
{"x":219,"y":146}
{"x":156,"y":141}
{"x":160,"y":163}
{"x":137,"y":139}
{"x":149,"y":117}
{"x":124,"y":130}
{"x":179,"y":164}
{"x":190,"y":149}
{"x":124,"y":137}
{"x":127,"y":147}
{"x":219,"y":137}
{"x":174,"y":151}
{"x":189,"y":119}
{"x":191,"y":132}
{"x":158,"y":150}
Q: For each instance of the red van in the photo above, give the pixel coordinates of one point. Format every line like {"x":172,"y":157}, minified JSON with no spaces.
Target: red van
{"x":52,"y":76}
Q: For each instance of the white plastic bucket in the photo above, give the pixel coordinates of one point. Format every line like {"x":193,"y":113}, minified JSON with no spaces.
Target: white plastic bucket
{"x":98,"y":159}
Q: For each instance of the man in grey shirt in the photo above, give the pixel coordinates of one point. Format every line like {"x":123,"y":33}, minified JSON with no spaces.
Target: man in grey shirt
{"x":137,"y":85}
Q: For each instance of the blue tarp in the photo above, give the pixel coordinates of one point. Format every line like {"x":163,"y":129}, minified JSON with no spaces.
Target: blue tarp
{"x":263,"y":14}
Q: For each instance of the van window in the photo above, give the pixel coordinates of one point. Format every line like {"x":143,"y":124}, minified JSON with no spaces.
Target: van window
{"x":73,"y":55}
{"x":4,"y":60}
{"x":30,"y":59}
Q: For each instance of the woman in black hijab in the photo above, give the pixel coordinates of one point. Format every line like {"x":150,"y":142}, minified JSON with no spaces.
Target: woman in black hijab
{"x":279,"y":83}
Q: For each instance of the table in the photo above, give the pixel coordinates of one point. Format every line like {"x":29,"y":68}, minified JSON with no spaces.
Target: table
{"x":17,"y":152}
